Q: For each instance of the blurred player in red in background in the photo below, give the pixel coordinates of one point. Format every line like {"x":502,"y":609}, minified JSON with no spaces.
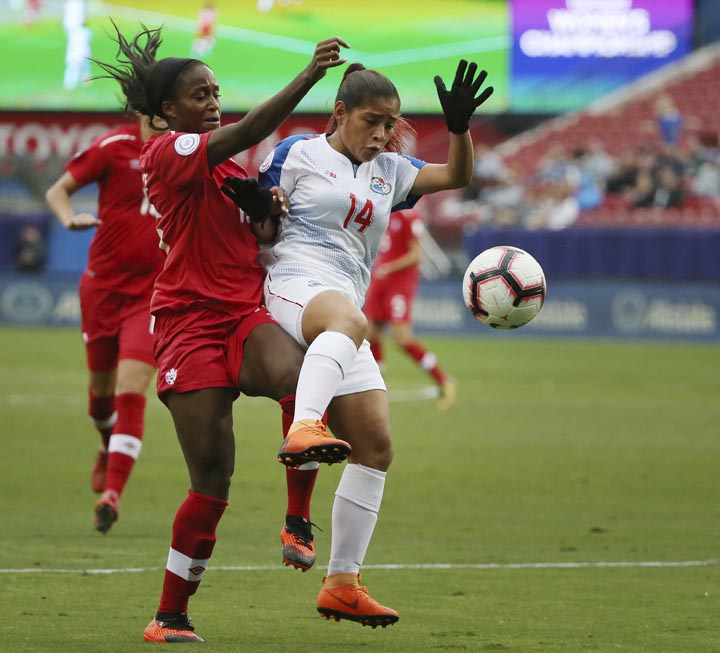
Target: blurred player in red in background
{"x":391,"y":295}
{"x":204,"y":40}
{"x":115,"y":291}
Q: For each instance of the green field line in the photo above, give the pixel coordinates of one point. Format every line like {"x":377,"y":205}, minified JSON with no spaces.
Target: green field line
{"x":651,"y":564}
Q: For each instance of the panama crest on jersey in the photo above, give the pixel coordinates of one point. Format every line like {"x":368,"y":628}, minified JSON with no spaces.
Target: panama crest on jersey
{"x":380,"y":186}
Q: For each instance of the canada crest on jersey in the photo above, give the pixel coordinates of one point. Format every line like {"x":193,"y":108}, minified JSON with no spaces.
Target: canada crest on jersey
{"x":380,"y":186}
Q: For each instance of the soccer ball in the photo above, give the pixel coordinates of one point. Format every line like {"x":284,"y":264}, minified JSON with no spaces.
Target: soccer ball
{"x":504,"y":287}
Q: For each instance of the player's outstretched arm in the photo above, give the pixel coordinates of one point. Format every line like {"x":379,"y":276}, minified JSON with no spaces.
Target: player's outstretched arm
{"x":265,"y":118}
{"x":458,"y":105}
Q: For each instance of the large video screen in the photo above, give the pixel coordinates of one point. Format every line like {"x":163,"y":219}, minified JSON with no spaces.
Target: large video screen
{"x":256,"y":46}
{"x":566,"y":53}
{"x":543,"y":56}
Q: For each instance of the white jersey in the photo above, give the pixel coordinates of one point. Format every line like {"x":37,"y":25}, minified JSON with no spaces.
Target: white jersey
{"x":73,"y":14}
{"x":339,"y":211}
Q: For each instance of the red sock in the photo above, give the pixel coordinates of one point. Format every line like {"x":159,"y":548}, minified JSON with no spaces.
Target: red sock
{"x":102,"y":412}
{"x":426,"y":359}
{"x":193,"y":539}
{"x":376,"y":350}
{"x":126,"y":439}
{"x":300,"y":482}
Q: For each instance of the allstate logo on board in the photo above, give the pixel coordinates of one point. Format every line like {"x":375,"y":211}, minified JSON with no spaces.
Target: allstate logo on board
{"x":26,"y":303}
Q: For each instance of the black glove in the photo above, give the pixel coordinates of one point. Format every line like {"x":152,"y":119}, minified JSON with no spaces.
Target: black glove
{"x":459,"y":103}
{"x":250,"y":196}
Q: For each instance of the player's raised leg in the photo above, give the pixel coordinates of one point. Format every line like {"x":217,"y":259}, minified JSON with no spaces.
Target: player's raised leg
{"x":358,"y":497}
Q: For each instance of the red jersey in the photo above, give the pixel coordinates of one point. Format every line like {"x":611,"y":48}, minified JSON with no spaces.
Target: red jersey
{"x":211,"y":249}
{"x":206,"y":22}
{"x":405,"y":227}
{"x":124,"y":254}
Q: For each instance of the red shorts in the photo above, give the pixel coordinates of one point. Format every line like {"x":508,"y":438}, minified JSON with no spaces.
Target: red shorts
{"x":114,"y":326}
{"x":200,"y":348}
{"x":390,"y":303}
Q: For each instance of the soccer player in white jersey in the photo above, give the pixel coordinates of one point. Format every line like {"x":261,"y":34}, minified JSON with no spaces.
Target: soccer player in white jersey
{"x":342,"y":188}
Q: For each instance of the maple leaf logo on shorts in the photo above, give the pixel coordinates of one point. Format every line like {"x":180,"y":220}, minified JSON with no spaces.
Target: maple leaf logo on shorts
{"x":171,"y":376}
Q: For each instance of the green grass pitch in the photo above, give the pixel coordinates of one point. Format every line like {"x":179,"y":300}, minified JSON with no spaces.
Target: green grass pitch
{"x":256,"y":53}
{"x":535,"y":505}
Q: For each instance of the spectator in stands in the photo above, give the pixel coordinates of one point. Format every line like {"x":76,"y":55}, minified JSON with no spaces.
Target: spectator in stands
{"x":706,"y":182}
{"x":624,"y":172}
{"x":505,"y":202}
{"x":30,"y":253}
{"x":669,"y":119}
{"x":488,"y":171}
{"x":556,"y":165}
{"x":669,"y":191}
{"x":661,"y":191}
{"x":597,"y":160}
{"x":586,"y":181}
{"x":557,"y":207}
{"x":641,"y":194}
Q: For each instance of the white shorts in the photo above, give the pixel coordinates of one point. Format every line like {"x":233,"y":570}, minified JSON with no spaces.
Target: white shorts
{"x":286,"y":299}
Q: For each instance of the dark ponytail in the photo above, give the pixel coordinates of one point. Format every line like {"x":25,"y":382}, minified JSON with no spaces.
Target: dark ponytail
{"x":360,"y":87}
{"x":145,"y":82}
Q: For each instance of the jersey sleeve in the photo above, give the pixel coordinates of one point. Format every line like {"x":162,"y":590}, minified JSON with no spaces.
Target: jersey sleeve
{"x":88,"y":165}
{"x":276,"y":165}
{"x":407,"y":171}
{"x":181,"y":159}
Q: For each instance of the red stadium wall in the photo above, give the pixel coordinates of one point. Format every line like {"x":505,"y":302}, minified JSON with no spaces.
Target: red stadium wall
{"x":43,"y":137}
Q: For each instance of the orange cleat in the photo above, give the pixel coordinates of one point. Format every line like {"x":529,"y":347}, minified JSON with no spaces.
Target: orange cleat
{"x":171,"y":629}
{"x":107,"y":511}
{"x":353,"y":602}
{"x":308,"y":441}
{"x":97,"y":478}
{"x":297,"y":543}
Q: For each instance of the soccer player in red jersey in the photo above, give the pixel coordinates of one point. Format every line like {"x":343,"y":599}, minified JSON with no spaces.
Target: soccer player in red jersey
{"x":115,"y":290}
{"x":213,"y":337}
{"x":392,"y":292}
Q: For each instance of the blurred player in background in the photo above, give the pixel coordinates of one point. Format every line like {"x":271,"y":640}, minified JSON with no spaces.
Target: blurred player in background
{"x":392,"y":292}
{"x":266,"y":5}
{"x":204,"y":40}
{"x":32,"y":9}
{"x":342,"y":188}
{"x":77,"y":53}
{"x":115,"y":291}
{"x":213,"y":337}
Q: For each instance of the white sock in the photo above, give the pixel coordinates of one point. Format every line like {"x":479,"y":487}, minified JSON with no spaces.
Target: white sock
{"x":354,"y":515}
{"x":327,"y":361}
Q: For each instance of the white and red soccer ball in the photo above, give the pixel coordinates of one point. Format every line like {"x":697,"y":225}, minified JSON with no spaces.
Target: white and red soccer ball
{"x":504,"y":287}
